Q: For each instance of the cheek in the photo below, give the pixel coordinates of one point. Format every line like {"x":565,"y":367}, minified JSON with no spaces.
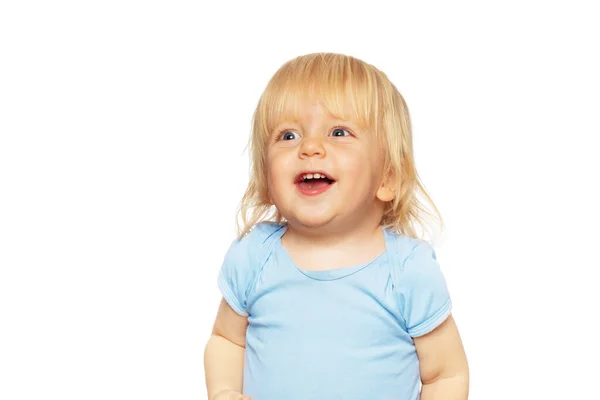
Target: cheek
{"x":278,"y":169}
{"x":358,"y":163}
{"x":365,"y":167}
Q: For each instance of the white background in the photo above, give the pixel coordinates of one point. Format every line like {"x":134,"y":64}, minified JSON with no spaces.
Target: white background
{"x":123,"y":126}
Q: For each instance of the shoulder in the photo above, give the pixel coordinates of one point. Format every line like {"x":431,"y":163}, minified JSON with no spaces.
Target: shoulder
{"x":254,"y":242}
{"x":264,"y":230}
{"x":419,"y":285}
{"x":243,"y":263}
{"x":407,"y":251}
{"x":413,"y":264}
{"x":259,"y":234}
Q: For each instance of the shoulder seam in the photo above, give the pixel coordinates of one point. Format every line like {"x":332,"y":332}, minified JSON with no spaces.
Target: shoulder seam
{"x":410,"y":255}
{"x":263,"y":253}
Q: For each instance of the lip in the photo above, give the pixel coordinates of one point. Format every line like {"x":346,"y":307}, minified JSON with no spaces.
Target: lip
{"x":313,"y":192}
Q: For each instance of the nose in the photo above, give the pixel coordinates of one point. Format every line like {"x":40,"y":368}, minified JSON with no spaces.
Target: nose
{"x":312,"y":147}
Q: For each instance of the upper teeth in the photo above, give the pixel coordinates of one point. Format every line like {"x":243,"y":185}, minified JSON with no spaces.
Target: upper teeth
{"x":312,"y":176}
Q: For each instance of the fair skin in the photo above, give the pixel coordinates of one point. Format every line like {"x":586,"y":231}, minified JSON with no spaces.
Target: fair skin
{"x":224,"y":355}
{"x":338,"y":228}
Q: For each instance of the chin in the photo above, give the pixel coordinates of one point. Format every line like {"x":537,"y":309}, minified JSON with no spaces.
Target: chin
{"x":309,"y":221}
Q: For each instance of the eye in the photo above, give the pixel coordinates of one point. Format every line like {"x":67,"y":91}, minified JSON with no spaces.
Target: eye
{"x":288,"y":135}
{"x":340,"y":132}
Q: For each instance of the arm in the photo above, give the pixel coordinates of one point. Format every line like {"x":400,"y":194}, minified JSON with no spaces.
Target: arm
{"x":443,"y":363}
{"x":224,"y":355}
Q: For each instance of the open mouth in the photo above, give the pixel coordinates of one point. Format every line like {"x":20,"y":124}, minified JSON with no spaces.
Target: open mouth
{"x":313,"y":183}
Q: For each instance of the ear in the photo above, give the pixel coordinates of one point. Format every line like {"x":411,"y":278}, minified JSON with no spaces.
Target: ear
{"x":387,"y":189}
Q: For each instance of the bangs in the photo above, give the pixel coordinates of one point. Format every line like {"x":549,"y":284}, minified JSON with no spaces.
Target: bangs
{"x":344,"y":86}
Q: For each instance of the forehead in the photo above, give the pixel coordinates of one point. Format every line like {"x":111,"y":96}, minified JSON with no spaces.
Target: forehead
{"x":301,"y":106}
{"x":312,"y":108}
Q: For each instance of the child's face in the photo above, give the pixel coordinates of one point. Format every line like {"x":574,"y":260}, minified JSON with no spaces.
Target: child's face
{"x":349,"y":164}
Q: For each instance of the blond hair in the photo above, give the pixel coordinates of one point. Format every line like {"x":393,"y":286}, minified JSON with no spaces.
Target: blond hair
{"x":337,"y":80}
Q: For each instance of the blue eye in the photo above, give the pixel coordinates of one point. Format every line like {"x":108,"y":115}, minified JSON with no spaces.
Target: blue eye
{"x":339,"y":132}
{"x":289,"y":135}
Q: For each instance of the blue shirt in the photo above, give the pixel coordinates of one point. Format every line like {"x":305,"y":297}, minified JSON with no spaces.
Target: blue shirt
{"x":336,"y":334}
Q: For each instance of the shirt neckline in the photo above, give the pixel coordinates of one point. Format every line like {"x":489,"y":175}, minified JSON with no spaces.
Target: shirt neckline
{"x":336,"y":273}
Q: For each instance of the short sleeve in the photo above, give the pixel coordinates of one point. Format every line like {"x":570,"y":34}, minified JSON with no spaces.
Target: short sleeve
{"x":422,"y":291}
{"x":242,"y":265}
{"x":236,"y":274}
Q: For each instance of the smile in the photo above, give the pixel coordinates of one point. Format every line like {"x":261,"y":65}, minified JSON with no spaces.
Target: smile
{"x":313,"y":183}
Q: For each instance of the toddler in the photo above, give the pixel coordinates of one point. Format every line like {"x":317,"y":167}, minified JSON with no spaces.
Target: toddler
{"x":328,"y":293}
